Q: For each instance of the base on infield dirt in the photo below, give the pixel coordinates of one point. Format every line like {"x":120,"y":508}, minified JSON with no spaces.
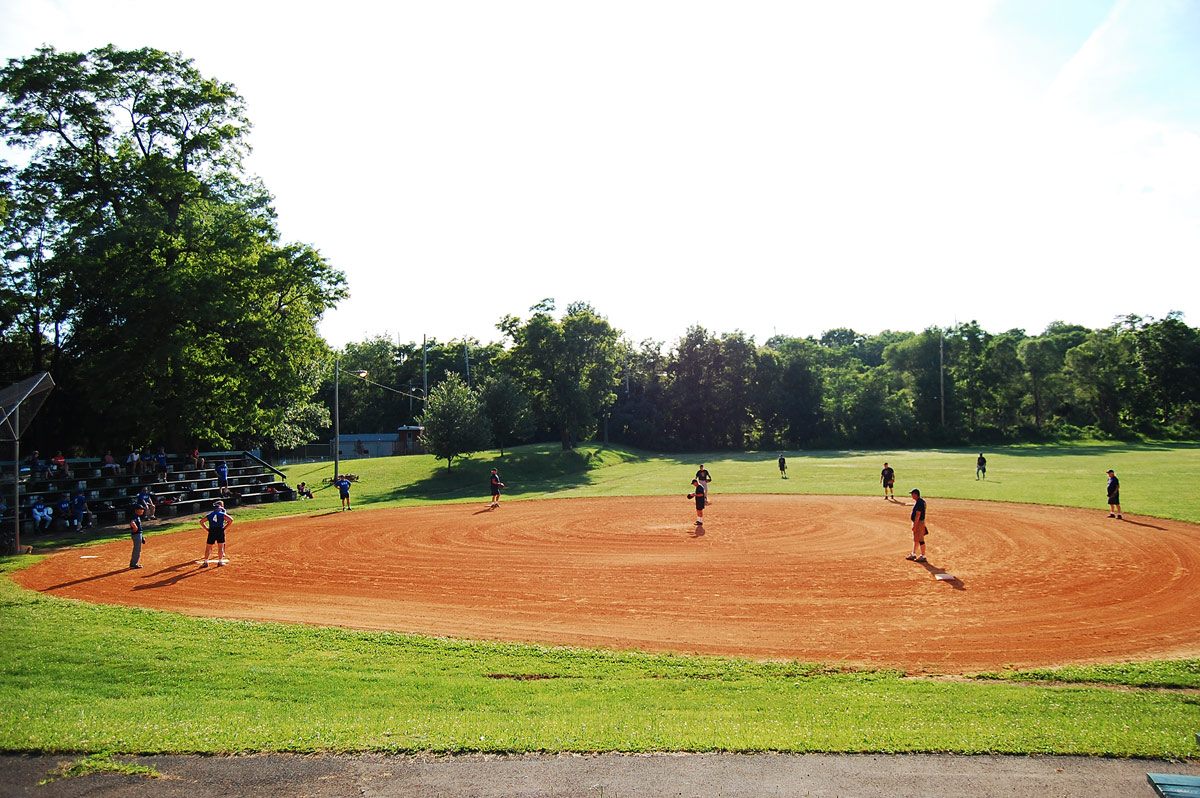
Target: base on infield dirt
{"x":946,"y":577}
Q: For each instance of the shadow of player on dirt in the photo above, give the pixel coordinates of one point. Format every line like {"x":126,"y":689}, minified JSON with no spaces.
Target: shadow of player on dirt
{"x":92,"y":578}
{"x":178,"y":574}
{"x":1148,"y":526}
{"x":933,"y":570}
{"x":696,"y":531}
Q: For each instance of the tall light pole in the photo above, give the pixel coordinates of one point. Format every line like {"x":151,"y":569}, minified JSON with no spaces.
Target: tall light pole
{"x":337,"y":421}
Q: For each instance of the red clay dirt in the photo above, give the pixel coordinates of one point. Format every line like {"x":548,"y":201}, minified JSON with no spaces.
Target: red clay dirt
{"x":810,"y":578}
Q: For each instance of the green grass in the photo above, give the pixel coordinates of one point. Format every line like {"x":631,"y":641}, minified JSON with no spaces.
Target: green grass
{"x":79,"y":677}
{"x":1156,"y":479}
{"x":76,"y":677}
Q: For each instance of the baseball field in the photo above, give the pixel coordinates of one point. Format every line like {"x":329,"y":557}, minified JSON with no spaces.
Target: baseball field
{"x":588,"y":613}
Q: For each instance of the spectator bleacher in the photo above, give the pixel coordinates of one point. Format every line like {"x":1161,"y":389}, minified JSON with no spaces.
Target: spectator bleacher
{"x":186,"y":491}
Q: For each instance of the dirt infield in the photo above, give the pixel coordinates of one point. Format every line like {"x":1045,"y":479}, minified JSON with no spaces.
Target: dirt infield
{"x":813,"y":578}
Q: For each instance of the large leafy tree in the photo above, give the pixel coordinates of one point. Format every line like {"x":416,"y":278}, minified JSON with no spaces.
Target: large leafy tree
{"x":454,"y":421}
{"x":568,"y":367}
{"x":149,"y":261}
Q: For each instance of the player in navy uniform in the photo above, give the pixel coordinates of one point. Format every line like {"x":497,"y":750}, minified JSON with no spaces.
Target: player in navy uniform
{"x":215,"y":524}
{"x":706,"y":478}
{"x":918,"y":527}
{"x":222,"y":469}
{"x":888,"y":477}
{"x":135,"y":532}
{"x":495,"y":484}
{"x":1114,"y":495}
{"x":700,"y":494}
{"x":343,"y":486}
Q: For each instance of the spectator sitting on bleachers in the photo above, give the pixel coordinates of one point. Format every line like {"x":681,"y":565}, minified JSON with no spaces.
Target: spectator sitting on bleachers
{"x":109,"y":465}
{"x":83,"y":514}
{"x":145,"y":500}
{"x":38,"y":469}
{"x":303,"y":492}
{"x":134,"y":462}
{"x":60,"y":465}
{"x":62,"y":511}
{"x":43,"y":516}
{"x":194,"y":458}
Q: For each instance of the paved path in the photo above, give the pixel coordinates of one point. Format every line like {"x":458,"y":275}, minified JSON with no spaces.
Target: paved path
{"x":600,"y":776}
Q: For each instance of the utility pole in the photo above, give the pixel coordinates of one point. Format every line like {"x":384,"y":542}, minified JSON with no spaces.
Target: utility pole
{"x":424,"y":374}
{"x":337,"y":421}
{"x":942,"y":373}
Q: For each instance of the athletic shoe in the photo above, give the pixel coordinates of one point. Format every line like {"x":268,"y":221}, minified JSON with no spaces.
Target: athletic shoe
{"x":1120,"y":518}
{"x":911,"y":557}
{"x":699,"y":523}
{"x":204,"y":564}
{"x":921,"y":558}
{"x":135,"y":566}
{"x":1110,"y":515}
{"x":219,"y":563}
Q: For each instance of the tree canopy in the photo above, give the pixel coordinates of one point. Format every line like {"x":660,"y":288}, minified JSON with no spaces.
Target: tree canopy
{"x":142,"y":266}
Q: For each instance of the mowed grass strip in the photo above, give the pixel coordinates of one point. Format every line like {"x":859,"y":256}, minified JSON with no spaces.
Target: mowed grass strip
{"x":76,"y":677}
{"x":83,"y":678}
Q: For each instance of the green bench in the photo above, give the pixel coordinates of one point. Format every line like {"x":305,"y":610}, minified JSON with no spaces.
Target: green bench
{"x":1173,"y":785}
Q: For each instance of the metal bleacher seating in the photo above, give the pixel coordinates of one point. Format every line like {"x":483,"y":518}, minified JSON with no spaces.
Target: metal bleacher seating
{"x":112,"y":496}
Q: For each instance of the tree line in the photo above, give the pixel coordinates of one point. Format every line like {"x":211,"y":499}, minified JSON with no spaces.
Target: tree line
{"x":143,"y":267}
{"x":574,"y":377}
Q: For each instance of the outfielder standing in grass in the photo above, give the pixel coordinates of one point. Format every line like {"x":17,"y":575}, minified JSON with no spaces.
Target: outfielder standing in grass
{"x":699,"y":494}
{"x":215,"y":524}
{"x":888,"y":478}
{"x":782,"y":467}
{"x":496,"y":485}
{"x":918,"y":527}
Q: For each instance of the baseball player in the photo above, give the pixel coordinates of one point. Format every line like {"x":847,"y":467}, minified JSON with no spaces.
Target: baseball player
{"x":495,"y":485}
{"x":700,"y":494}
{"x":888,"y":478}
{"x":705,"y":478}
{"x":918,"y":527}
{"x":215,"y":524}
{"x":135,"y":534}
{"x":1114,"y":495}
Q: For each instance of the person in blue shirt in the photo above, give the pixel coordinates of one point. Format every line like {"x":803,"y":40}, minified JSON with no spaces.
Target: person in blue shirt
{"x":145,"y":500}
{"x":64,"y":511}
{"x":135,"y":532}
{"x":343,"y":486}
{"x":215,"y":524}
{"x":43,"y":515}
{"x":83,"y":514}
{"x":222,"y":469}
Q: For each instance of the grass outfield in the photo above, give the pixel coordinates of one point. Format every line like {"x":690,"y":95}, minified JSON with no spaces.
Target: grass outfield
{"x":76,"y":677}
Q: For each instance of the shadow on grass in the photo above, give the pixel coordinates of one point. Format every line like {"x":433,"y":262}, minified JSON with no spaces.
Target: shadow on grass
{"x":526,"y":472}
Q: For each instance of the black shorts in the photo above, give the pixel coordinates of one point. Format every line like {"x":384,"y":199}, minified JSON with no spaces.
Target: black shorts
{"x":699,"y":502}
{"x":1114,"y":498}
{"x":216,"y":536}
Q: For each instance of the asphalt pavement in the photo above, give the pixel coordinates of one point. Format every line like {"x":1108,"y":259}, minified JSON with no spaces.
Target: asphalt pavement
{"x":595,"y":776}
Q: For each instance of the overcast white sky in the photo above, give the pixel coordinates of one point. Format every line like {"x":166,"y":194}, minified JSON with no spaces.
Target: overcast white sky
{"x":759,"y":166}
